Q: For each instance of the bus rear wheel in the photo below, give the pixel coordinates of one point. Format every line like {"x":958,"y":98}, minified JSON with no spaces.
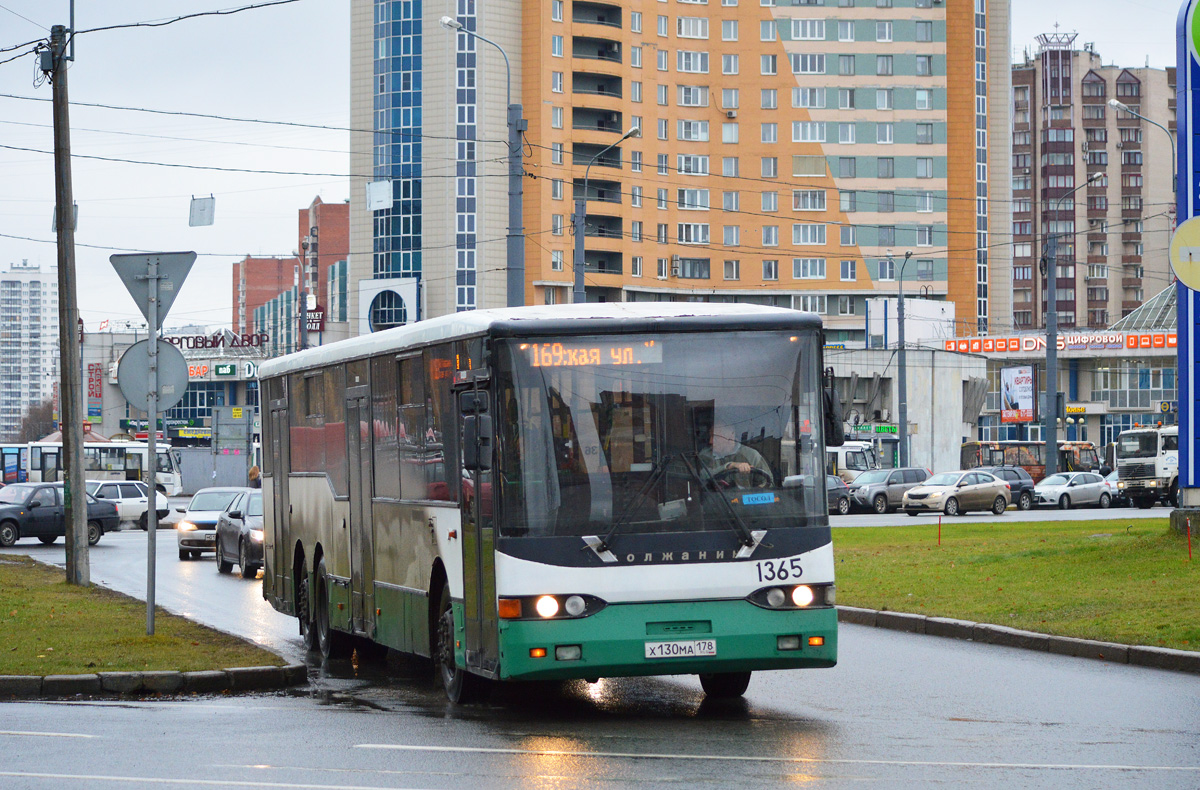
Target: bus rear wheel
{"x":460,"y":685}
{"x":725,"y":685}
{"x":333,"y":644}
{"x":308,"y":631}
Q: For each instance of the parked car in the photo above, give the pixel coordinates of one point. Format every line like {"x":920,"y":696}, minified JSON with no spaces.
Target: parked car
{"x":1119,"y":497}
{"x":196,"y":532}
{"x":954,"y":493}
{"x":839,"y":494}
{"x":131,"y":499}
{"x":1019,"y":482}
{"x":240,"y":535}
{"x":882,"y":490}
{"x":33,"y":510}
{"x":1069,"y":489}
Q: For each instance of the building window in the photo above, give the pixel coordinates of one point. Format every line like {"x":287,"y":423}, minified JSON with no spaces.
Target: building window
{"x":883,"y":31}
{"x":635,"y":266}
{"x":883,"y":65}
{"x":556,"y":46}
{"x":770,"y":270}
{"x":924,"y":65}
{"x":556,"y":81}
{"x":769,"y":99}
{"x":808,"y":200}
{"x":770,"y":167}
{"x":729,"y":133}
{"x":846,"y":65}
{"x":849,"y":271}
{"x":845,"y":305}
{"x":729,"y":64}
{"x":887,"y":270}
{"x":808,"y":234}
{"x":884,"y":133}
{"x":848,"y":201}
{"x":768,"y":64}
{"x":924,"y":134}
{"x":770,"y":235}
{"x":556,"y":10}
{"x":733,"y":270}
{"x":556,"y":224}
{"x":845,"y":98}
{"x":808,"y":268}
{"x":924,"y":99}
{"x":556,"y":260}
{"x":729,"y":30}
{"x":730,"y":201}
{"x":884,"y":99}
{"x":770,"y":201}
{"x":924,"y":167}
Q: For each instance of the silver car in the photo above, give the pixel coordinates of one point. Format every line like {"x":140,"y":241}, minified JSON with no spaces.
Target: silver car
{"x":1069,"y":489}
{"x":882,"y":490}
{"x":197,"y":530}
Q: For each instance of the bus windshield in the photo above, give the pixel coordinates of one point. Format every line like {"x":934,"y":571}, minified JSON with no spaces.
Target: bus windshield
{"x":649,"y":433}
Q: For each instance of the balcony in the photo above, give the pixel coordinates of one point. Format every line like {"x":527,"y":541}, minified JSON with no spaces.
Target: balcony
{"x":602,"y":262}
{"x":607,"y":85}
{"x":603,"y":227}
{"x":587,"y":48}
{"x":1131,"y":282}
{"x":599,"y":191}
{"x":582,"y":154}
{"x":596,"y":14}
{"x":586,"y":119}
{"x":1128,"y":260}
{"x":1131,"y":237}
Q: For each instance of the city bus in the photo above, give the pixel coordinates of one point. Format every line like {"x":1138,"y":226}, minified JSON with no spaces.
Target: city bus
{"x":530,"y":494}
{"x":1031,"y":456}
{"x":106,"y":461}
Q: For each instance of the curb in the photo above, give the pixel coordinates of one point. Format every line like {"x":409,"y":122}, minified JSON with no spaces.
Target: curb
{"x":119,"y":684}
{"x":1137,"y":655}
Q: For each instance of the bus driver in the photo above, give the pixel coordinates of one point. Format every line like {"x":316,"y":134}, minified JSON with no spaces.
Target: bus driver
{"x":728,"y":458}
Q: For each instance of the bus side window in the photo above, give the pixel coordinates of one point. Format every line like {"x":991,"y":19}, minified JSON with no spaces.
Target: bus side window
{"x":856,"y":461}
{"x":441,"y":439}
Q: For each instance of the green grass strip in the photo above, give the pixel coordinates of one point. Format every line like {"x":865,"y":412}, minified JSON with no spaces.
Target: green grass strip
{"x":51,"y":628}
{"x":1119,"y":581}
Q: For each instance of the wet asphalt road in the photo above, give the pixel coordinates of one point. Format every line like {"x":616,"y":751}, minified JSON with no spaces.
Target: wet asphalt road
{"x":899,"y":710}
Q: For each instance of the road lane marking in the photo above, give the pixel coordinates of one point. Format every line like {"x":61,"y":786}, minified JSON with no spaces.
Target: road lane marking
{"x":752,"y":759}
{"x":189,"y":782}
{"x":32,"y":734}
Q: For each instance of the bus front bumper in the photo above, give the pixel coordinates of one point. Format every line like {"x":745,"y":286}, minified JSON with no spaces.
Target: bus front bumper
{"x":613,"y":642}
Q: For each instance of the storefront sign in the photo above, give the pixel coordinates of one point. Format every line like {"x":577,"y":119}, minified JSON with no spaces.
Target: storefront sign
{"x":316,"y":319}
{"x":95,"y":389}
{"x":1078,"y":341}
{"x":225,"y":369}
{"x":219,"y":340}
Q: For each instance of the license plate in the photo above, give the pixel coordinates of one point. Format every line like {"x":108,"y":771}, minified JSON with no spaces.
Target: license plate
{"x":689,"y":649}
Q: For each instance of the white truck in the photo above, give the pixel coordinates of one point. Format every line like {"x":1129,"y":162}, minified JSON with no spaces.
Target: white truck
{"x":1148,"y":465}
{"x":850,"y":459}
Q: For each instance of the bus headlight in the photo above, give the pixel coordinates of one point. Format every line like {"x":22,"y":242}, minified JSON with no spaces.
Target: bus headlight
{"x":803,"y":595}
{"x":547,"y":606}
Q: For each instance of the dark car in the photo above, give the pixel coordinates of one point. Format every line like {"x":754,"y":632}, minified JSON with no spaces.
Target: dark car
{"x":1022,"y":485}
{"x":35,"y":510}
{"x":839,"y":494}
{"x":240,"y":535}
{"x":1119,"y":497}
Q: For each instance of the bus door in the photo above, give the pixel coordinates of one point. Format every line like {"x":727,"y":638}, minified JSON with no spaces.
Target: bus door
{"x":280,"y":564}
{"x":358,"y":455}
{"x":478,"y":538}
{"x":50,"y":465}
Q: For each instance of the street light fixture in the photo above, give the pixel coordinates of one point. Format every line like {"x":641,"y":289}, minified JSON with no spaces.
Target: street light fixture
{"x":1120,"y":105}
{"x":581,"y":213}
{"x":1050,"y":260}
{"x":515,"y":242}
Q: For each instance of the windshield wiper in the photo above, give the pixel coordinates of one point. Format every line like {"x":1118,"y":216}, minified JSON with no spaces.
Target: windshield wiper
{"x":749,"y":540}
{"x":601,"y":545}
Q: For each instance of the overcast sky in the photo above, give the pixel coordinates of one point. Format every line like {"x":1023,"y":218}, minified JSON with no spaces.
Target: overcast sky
{"x":288,"y":63}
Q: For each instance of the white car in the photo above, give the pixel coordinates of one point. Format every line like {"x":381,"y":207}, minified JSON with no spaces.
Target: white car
{"x":1069,"y":489}
{"x":196,"y":532}
{"x":130,"y":497}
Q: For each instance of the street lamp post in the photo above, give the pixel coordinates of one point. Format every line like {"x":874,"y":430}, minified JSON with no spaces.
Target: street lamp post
{"x":302,"y":294}
{"x":1050,"y":412}
{"x":581,"y":214}
{"x":903,"y":369}
{"x":515,"y":242}
{"x":1120,"y":105}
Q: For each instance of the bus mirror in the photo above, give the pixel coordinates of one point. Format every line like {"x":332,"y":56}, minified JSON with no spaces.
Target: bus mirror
{"x":835,"y":429}
{"x":477,"y":443}
{"x":473,"y":402}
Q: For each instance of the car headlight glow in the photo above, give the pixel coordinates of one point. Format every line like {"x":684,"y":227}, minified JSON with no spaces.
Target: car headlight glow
{"x":256,"y":534}
{"x":185,"y":526}
{"x":547,"y":606}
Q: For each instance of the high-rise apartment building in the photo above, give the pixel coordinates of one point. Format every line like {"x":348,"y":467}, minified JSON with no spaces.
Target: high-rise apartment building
{"x":28,"y":341}
{"x":257,"y":281}
{"x":790,"y":153}
{"x":1112,"y":233}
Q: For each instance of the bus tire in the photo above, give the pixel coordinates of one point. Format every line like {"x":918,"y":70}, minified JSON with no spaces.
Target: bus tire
{"x":952,"y":507}
{"x":333,"y":644}
{"x":1105,"y":501}
{"x":1025,"y":502}
{"x":461,"y":686}
{"x":725,"y":685}
{"x":1064,"y":502}
{"x":880,"y":504}
{"x":8,"y":534}
{"x":308,"y":632}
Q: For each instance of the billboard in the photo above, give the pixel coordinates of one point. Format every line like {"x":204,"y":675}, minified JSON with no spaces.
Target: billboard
{"x":95,"y":389}
{"x":1018,"y":395}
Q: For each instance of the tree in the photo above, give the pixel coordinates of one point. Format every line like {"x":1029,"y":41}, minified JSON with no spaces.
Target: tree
{"x":37,"y":422}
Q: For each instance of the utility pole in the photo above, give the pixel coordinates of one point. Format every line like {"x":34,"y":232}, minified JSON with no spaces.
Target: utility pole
{"x":903,"y":369}
{"x":54,"y":63}
{"x":1050,"y":405}
{"x":302,"y":295}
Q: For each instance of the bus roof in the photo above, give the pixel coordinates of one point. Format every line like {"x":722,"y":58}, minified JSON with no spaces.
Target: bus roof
{"x":634,"y":316}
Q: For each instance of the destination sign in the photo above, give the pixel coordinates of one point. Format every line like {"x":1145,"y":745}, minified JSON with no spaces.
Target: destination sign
{"x":557,"y":355}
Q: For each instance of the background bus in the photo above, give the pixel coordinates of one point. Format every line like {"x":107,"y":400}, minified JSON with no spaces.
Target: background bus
{"x":1031,"y":456}
{"x":536,"y":493}
{"x":106,"y":461}
{"x":15,"y":460}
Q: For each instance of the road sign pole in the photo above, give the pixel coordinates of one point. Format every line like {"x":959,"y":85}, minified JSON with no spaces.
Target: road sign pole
{"x":151,"y":470}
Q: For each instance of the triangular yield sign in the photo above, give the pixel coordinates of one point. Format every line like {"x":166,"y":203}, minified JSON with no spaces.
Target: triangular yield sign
{"x":173,"y":268}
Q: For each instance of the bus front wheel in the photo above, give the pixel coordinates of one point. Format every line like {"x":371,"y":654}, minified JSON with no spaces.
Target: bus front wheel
{"x":460,"y":685}
{"x":724,"y":685}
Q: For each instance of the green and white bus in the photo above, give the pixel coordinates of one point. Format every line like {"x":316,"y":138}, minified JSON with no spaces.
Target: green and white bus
{"x":532,"y":493}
